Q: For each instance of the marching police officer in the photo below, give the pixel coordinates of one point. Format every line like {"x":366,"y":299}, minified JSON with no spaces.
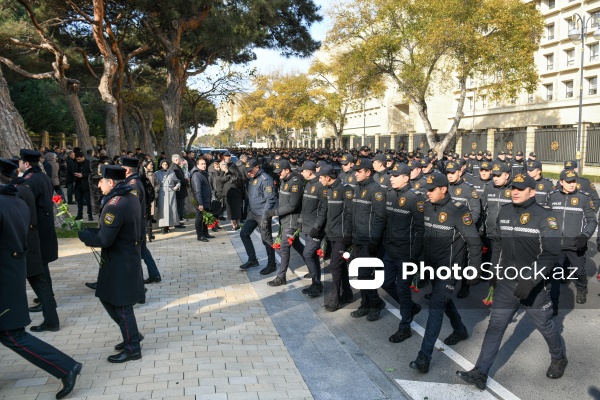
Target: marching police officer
{"x":347,"y":175}
{"x":449,"y":230}
{"x":576,"y":216}
{"x":416,"y":174}
{"x":42,"y":189}
{"x":261,"y":197}
{"x":483,"y":177}
{"x":381,"y":174}
{"x":529,"y":236}
{"x":543,"y":186}
{"x":495,"y":195}
{"x":290,"y":205}
{"x":518,"y":164}
{"x":403,"y":242}
{"x":14,"y":316}
{"x":338,"y":229}
{"x":583,"y":183}
{"x":313,"y":217}
{"x":120,"y":279}
{"x":35,"y":270}
{"x":368,"y":226}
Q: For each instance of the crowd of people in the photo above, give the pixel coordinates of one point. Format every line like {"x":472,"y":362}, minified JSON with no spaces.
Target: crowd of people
{"x":400,"y":207}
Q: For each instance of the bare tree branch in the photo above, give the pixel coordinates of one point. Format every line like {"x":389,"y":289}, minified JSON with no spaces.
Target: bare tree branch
{"x":17,"y":69}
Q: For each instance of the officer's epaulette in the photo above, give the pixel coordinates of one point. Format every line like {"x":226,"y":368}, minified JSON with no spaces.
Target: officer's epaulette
{"x":553,"y":191}
{"x":544,"y":206}
{"x":413,"y":190}
{"x":133,"y":180}
{"x":458,"y":204}
{"x":468,"y":183}
{"x":549,"y":180}
{"x":114,"y":201}
{"x":584,"y":192}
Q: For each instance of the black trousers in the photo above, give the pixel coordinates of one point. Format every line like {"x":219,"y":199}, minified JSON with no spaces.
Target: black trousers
{"x":82,"y":197}
{"x":180,"y":206}
{"x":572,"y":264}
{"x":125,"y":318}
{"x":43,"y":290}
{"x":369,"y":297}
{"x":398,"y":288}
{"x":252,"y":222}
{"x":47,"y":275}
{"x":339,"y":272}
{"x":70,"y":191}
{"x":287,"y":233}
{"x":201,"y":228}
{"x":311,"y":245}
{"x":37,"y":352}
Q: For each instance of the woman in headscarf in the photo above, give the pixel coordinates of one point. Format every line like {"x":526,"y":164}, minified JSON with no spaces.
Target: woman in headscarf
{"x":166,"y":202}
{"x":148,"y":171}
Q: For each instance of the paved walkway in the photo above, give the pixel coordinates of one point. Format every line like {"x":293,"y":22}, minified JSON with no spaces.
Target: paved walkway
{"x":207,"y":334}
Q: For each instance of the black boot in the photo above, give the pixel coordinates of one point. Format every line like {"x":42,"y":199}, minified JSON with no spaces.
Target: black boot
{"x":474,"y":377}
{"x":421,"y":364}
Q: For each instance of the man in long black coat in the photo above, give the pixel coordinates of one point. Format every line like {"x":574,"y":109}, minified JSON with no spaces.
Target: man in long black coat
{"x":120,"y":279}
{"x":14,"y":316}
{"x":35,"y":269}
{"x":42,"y":189}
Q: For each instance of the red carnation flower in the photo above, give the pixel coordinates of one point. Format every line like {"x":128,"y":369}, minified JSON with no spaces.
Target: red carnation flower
{"x":57,"y":199}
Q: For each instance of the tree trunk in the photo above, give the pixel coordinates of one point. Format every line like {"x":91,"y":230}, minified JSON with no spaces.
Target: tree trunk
{"x":195,"y":134}
{"x":172,"y":105}
{"x":13,"y":135}
{"x":129,"y":132}
{"x":70,"y":89}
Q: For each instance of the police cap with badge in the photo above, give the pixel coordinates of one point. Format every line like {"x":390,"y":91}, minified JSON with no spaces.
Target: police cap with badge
{"x":114,"y":172}
{"x":280,"y":165}
{"x":522,"y":181}
{"x":570,"y":164}
{"x":326,"y":170}
{"x":568,"y":175}
{"x":361,"y":163}
{"x":436,"y":180}
{"x":452,"y":166}
{"x":400,"y":169}
{"x":531,"y":165}
{"x":499,"y":168}
{"x":346,"y":159}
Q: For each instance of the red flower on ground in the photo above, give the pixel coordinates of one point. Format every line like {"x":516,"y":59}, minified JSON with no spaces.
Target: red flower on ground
{"x":57,"y":199}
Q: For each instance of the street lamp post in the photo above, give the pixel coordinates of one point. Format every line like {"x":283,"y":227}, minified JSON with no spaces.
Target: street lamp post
{"x":576,"y":34}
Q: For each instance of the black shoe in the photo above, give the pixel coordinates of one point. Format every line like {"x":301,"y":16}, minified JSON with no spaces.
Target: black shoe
{"x":202,"y":239}
{"x":78,"y":217}
{"x":152,"y":280}
{"x":421,"y":364}
{"x":401,"y":335}
{"x":215,"y":229}
{"x":269,"y":269}
{"x":37,"y":308}
{"x":164,"y":231}
{"x":124,"y":357}
{"x":180,"y":226}
{"x":455,"y":338}
{"x":474,"y":377}
{"x":91,"y":285}
{"x":374,"y":313}
{"x":360,"y":312}
{"x":316,"y":291}
{"x":249,"y":264}
{"x":44,"y":327}
{"x":463,"y":292}
{"x":332,"y":307}
{"x":346,"y":298}
{"x":581,"y":297}
{"x":36,"y":300}
{"x":307,"y":290}
{"x":277,"y":281}
{"x":90,"y":218}
{"x":308,"y":276}
{"x":68,"y":382}
{"x":209,"y":236}
{"x":554,"y":310}
{"x":121,"y":346}
{"x":428,"y":296}
{"x":557,"y":368}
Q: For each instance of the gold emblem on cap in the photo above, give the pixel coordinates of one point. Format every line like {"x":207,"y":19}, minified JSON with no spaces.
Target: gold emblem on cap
{"x":519,"y":178}
{"x":570,"y":173}
{"x":496,"y":167}
{"x":430,"y":179}
{"x":359,"y":161}
{"x":568,"y":164}
{"x":450,"y":165}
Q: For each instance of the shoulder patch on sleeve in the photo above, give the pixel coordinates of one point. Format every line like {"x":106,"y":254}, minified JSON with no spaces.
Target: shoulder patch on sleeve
{"x":379,"y":196}
{"x":269,"y":189}
{"x":349,"y":195}
{"x":421,"y":206}
{"x":294,"y":188}
{"x":467,"y":219}
{"x":324,"y":193}
{"x":475,"y":194}
{"x":109,"y":218}
{"x":592,"y":205}
{"x":134,"y":192}
{"x":552,"y":223}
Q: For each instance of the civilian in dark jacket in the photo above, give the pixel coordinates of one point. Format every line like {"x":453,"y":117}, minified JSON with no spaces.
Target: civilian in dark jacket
{"x":71,"y":176}
{"x":82,"y":186}
{"x":182,"y":193}
{"x":202,"y":193}
{"x":233,"y":192}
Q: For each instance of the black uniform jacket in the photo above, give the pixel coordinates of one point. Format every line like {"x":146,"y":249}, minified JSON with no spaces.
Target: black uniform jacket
{"x":338,"y":206}
{"x":34,"y":256}
{"x":404,"y":230}
{"x":368,"y":213}
{"x":290,"y":201}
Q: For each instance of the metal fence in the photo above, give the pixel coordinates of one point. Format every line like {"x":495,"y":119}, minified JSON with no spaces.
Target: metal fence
{"x":510,"y":140}
{"x":555,"y":144}
{"x":370,"y":142}
{"x":473,"y":141}
{"x":384,"y":142}
{"x":593,"y":145}
{"x":402,"y":143}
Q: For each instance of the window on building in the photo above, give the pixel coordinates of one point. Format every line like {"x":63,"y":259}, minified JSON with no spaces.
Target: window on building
{"x":593,"y":84}
{"x":594,"y":52}
{"x":551,"y":4}
{"x":568,"y":89}
{"x":549,"y":62}
{"x":549,"y":91}
{"x":550,"y":32}
{"x":484,"y":102}
{"x":530,"y":97}
{"x":470,"y":103}
{"x":595,"y":17}
{"x":570,"y":56}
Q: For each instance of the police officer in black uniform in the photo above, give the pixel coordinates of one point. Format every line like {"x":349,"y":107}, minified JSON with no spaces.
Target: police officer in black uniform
{"x":290,"y":205}
{"x":368,"y":227}
{"x":403,"y":242}
{"x":338,"y":229}
{"x":381,"y":174}
{"x":35,"y":270}
{"x":529,"y":238}
{"x":347,"y":175}
{"x":518,"y":164}
{"x":583,"y":184}
{"x":14,"y":316}
{"x":416,"y":174}
{"x":313,"y":218}
{"x":576,"y":216}
{"x":543,"y":186}
{"x":449,"y":230}
{"x":120,"y":279}
{"x":42,"y":189}
{"x":261,"y":197}
{"x":482,"y":178}
{"x":495,"y":195}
